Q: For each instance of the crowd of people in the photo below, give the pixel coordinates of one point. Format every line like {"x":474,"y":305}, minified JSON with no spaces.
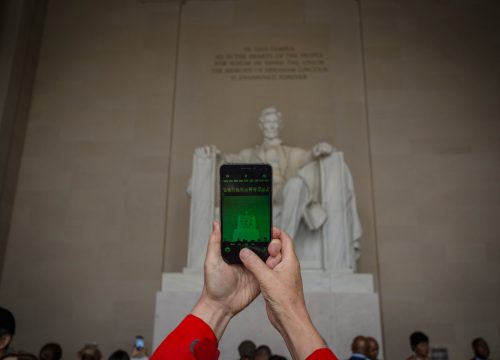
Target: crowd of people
{"x":362,"y":347}
{"x":367,"y":348}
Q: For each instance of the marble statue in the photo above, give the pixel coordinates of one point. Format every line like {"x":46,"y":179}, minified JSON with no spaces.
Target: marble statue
{"x":313,"y":197}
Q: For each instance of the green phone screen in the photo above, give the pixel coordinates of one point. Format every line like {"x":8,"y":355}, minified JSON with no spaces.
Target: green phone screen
{"x":246,"y":206}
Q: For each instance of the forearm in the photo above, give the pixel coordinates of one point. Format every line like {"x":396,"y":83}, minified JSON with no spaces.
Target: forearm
{"x":299,"y":333}
{"x":214,"y":315}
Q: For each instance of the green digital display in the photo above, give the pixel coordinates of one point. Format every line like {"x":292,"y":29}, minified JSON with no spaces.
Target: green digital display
{"x":246,"y":218}
{"x":246,"y":208}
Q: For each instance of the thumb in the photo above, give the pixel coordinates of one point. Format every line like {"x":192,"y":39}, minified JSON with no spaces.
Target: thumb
{"x":214,"y":241}
{"x":254,"y":264}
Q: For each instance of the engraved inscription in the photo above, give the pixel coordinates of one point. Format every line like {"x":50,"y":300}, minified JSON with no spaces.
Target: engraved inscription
{"x":269,"y":63}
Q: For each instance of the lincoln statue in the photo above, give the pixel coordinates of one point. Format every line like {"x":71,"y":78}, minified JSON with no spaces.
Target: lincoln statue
{"x":313,"y":196}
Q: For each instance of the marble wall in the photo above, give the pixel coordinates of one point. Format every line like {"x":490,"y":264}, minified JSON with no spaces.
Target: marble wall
{"x":433,"y":85}
{"x":83,"y":260}
{"x":410,"y":95}
{"x":21,"y":26}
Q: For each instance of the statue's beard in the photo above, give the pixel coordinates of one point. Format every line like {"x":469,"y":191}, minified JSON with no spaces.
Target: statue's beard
{"x":270,"y":135}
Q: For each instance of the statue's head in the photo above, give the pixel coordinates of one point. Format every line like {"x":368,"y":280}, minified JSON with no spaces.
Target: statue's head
{"x":270,"y":123}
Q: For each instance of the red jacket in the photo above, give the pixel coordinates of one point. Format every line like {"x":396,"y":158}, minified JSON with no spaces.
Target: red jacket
{"x":193,"y":339}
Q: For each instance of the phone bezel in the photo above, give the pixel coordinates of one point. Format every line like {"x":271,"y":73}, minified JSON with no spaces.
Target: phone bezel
{"x":260,"y":248}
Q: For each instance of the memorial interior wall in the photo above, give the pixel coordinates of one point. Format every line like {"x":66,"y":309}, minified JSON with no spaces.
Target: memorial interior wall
{"x":409,"y":92}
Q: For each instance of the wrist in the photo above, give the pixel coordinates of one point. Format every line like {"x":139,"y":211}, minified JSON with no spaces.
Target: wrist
{"x":299,"y":333}
{"x":214,"y":314}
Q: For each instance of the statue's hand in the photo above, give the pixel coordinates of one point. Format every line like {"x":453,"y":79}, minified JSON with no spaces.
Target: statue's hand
{"x":322,"y":149}
{"x":206,"y":151}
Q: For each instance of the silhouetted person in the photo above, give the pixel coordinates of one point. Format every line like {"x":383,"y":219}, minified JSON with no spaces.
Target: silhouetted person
{"x":359,"y":348}
{"x":263,"y":353}
{"x":119,"y":355}
{"x":372,"y":348}
{"x":277,"y":357}
{"x":18,"y":356}
{"x":89,"y":352}
{"x":481,"y":349}
{"x":50,"y":351}
{"x":7,"y":330}
{"x":247,"y":350}
{"x":419,"y":343}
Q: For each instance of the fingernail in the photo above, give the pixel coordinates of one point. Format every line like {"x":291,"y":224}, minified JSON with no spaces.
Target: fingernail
{"x":244,"y":253}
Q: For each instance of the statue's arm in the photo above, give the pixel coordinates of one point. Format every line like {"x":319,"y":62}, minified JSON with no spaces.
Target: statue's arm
{"x":203,"y":153}
{"x":243,"y":156}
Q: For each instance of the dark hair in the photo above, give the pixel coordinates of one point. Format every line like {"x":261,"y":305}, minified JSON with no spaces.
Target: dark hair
{"x":247,"y":349}
{"x":263,"y":349}
{"x":7,"y":321}
{"x":277,"y":357}
{"x":476,"y":341}
{"x":50,"y":351}
{"x":119,"y":355}
{"x":19,"y":356}
{"x":418,"y":337}
{"x":90,"y":352}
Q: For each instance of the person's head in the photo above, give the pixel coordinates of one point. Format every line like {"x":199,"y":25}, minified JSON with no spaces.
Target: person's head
{"x":277,"y":357}
{"x":50,"y":351}
{"x":359,"y":345}
{"x":372,"y":345}
{"x":247,"y":350}
{"x":263,"y":353}
{"x":481,"y":348}
{"x":7,"y":329}
{"x":90,"y":352}
{"x":419,"y":343}
{"x":119,"y":355}
{"x":18,"y":356}
{"x":270,"y":122}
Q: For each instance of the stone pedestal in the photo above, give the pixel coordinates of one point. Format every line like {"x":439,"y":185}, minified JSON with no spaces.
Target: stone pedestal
{"x":341,"y":306}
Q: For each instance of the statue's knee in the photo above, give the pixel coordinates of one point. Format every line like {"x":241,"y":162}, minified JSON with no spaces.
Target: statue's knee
{"x":294,"y":184}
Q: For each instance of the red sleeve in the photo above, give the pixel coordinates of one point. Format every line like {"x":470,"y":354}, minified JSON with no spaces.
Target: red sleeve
{"x":192,"y":339}
{"x":322,"y":354}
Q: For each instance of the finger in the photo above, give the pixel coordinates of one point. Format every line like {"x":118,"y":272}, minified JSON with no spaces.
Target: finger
{"x":214,"y":241}
{"x":274,"y":247}
{"x":272,"y":261}
{"x":254,"y":264}
{"x":275,"y":233}
{"x":287,"y":249}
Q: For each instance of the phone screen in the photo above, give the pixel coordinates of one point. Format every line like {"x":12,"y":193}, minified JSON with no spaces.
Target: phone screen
{"x":246,"y":209}
{"x":139,"y":342}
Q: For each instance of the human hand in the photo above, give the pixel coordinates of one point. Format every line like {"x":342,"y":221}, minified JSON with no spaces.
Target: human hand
{"x":283,"y":292}
{"x":137,"y":354}
{"x":322,"y":149}
{"x":228,"y":289}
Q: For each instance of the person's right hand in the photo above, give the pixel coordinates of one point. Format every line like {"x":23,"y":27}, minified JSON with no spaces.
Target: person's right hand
{"x":281,"y":287}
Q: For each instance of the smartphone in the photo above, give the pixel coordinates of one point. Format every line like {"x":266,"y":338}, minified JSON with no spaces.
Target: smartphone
{"x":246,"y":209}
{"x":139,"y":342}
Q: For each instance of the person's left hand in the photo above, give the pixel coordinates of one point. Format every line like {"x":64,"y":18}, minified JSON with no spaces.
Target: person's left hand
{"x":228,"y":289}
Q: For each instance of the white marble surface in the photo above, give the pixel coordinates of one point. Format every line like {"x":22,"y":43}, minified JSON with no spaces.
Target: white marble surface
{"x":315,"y":281}
{"x":339,"y":317}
